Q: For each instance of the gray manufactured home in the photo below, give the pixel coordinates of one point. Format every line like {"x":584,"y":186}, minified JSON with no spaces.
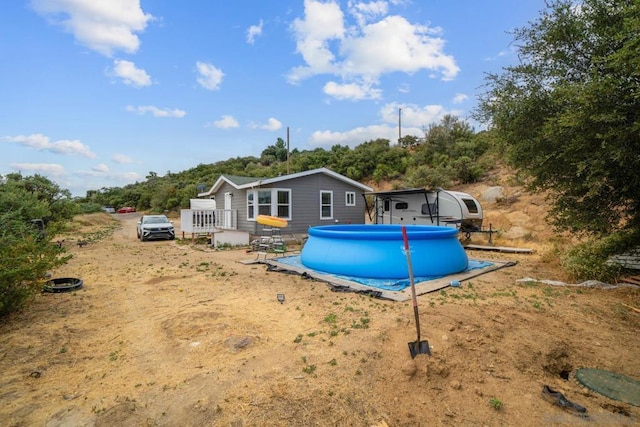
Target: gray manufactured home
{"x":305,"y":199}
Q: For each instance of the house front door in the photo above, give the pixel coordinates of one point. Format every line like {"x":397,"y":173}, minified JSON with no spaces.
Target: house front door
{"x":227,"y":210}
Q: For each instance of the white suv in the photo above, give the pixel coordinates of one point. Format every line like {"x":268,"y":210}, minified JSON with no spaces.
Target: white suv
{"x":155,"y":227}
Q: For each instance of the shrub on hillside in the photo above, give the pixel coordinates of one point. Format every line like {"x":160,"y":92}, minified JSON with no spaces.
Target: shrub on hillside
{"x":26,"y":251}
{"x":25,"y":258}
{"x":590,"y":260}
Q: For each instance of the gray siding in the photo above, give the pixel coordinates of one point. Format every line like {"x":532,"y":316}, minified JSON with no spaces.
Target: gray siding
{"x":305,"y":202}
{"x":238,"y":202}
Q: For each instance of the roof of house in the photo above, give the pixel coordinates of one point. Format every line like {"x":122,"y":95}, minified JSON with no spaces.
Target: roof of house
{"x":243,"y":182}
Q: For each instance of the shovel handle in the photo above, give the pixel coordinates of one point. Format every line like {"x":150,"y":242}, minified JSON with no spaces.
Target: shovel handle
{"x":405,"y":238}
{"x":411,"y":280}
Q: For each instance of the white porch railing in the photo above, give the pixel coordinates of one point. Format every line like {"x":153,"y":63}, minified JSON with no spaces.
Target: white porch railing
{"x":208,"y":221}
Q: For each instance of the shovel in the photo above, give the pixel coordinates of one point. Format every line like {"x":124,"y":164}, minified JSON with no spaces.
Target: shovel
{"x":415,"y":347}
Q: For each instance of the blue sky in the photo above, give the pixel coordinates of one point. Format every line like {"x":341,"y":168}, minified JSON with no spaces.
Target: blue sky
{"x":98,"y":93}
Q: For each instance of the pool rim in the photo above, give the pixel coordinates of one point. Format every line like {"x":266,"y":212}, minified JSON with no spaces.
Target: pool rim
{"x":382,"y":231}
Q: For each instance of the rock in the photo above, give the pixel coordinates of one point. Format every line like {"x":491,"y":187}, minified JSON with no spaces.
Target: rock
{"x":455,"y":385}
{"x":516,"y":232}
{"x":492,"y":194}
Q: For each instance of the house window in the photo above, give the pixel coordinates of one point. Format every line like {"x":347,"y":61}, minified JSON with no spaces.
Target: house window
{"x":326,"y":204}
{"x":251,"y":208}
{"x":272,"y":202}
{"x":350,"y":198}
{"x":264,"y":202}
{"x":284,"y":203}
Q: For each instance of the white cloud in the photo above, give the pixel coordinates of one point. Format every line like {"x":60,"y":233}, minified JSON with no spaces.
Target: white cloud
{"x":157,"y":112}
{"x":102,"y":168}
{"x":414,"y":115}
{"x":352,"y":91}
{"x":460,"y":98}
{"x":210,"y":76}
{"x":322,"y":23}
{"x":354,"y":136}
{"x":127,"y":176}
{"x":117,"y":177}
{"x":394,"y":44}
{"x":413,"y":120}
{"x":50,"y":169}
{"x":101,"y":25}
{"x":253,"y":32}
{"x":272,"y":124}
{"x":362,"y":53}
{"x":121,"y":158}
{"x":365,"y":12}
{"x":41,"y":142}
{"x":404,"y":88}
{"x":130,"y":74}
{"x":226,"y":122}
{"x":498,"y":55}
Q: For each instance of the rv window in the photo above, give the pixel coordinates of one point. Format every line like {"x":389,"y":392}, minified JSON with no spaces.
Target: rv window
{"x":387,"y":205}
{"x":471,"y":205}
{"x":430,"y":209}
{"x":402,"y":205}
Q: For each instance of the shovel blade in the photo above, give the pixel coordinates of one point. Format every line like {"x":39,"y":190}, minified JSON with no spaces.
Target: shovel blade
{"x":419,"y":347}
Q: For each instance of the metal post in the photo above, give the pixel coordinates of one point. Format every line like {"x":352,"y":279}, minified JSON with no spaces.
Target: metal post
{"x":399,"y":125}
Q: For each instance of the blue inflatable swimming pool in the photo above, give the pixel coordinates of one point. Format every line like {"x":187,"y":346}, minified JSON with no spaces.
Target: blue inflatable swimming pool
{"x":377,"y":250}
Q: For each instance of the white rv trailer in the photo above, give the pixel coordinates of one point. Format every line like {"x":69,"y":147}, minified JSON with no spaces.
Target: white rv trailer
{"x":425,"y":207}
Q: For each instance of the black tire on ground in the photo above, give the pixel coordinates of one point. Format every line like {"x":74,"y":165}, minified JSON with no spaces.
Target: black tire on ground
{"x":64,"y":284}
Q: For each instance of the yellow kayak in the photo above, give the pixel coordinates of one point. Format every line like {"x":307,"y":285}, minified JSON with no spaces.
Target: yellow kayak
{"x":272,"y":221}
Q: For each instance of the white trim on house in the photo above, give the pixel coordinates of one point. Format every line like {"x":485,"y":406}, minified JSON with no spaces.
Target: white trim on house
{"x":350,"y":198}
{"x":267,"y":181}
{"x":273,"y":205}
{"x":323,"y":205}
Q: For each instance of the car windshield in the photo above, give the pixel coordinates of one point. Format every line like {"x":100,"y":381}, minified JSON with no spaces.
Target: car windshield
{"x":155,"y":219}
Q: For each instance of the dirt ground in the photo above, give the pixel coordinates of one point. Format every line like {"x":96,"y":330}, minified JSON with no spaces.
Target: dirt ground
{"x":173,"y":334}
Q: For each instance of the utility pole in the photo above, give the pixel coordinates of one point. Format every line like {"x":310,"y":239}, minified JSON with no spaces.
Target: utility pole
{"x":399,"y":124}
{"x":287,"y":150}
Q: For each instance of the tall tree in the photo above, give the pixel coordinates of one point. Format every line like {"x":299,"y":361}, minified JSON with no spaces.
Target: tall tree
{"x":569,"y":113}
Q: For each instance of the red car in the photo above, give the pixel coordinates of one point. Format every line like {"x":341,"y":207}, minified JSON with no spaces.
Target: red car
{"x":126,"y":209}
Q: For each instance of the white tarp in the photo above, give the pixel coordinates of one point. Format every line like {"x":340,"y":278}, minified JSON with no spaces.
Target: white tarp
{"x":202,"y":204}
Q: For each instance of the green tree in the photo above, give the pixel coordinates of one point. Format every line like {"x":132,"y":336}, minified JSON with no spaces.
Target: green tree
{"x":408,"y":141}
{"x":569,"y":113}
{"x":275,"y":153}
{"x":25,"y":256}
{"x":362,"y":161}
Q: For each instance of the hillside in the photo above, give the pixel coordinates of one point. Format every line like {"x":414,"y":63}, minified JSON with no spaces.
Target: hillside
{"x":168,"y":333}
